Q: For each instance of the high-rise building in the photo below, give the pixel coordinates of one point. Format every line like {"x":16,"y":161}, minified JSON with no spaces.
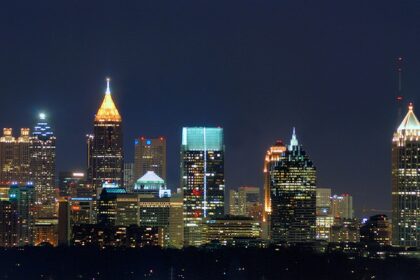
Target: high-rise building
{"x":42,"y":166}
{"x":376,"y":231}
{"x":345,"y":230}
{"x":74,"y":184}
{"x":166,"y":213}
{"x":105,"y":147}
{"x":293,"y":196}
{"x":150,"y":155}
{"x":272,"y":157}
{"x":22,"y":198}
{"x":202,"y":179}
{"x":342,"y":206}
{"x":245,"y":202}
{"x":107,"y":205}
{"x":14,"y":156}
{"x":129,"y":176}
{"x":406,"y":182}
{"x":324,"y":218}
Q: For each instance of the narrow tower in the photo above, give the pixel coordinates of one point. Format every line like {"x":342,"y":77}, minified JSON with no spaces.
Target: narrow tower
{"x":106,"y":157}
{"x":42,"y":166}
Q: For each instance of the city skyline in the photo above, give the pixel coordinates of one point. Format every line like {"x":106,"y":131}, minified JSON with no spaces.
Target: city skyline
{"x":310,"y":73}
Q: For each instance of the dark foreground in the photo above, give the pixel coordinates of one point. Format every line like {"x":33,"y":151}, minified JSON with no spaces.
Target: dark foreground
{"x":153,"y":263}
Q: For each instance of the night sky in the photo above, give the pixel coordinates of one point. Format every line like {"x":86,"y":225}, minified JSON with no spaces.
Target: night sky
{"x":256,"y":68}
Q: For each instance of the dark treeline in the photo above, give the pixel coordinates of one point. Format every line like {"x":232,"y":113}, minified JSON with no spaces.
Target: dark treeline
{"x":196,"y":264}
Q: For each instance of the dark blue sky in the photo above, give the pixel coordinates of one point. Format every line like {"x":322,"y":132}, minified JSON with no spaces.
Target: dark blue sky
{"x":256,"y":68}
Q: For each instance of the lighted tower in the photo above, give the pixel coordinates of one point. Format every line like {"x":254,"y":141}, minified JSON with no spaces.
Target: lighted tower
{"x":105,"y":151}
{"x":406,"y":182}
{"x":273,"y":156}
{"x":42,"y":166}
{"x":150,"y":155}
{"x":202,"y":179}
{"x":293,"y":196}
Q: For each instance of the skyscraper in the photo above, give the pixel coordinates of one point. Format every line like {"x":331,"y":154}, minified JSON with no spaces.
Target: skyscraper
{"x":150,"y":155}
{"x":245,"y":202}
{"x":293,"y":196}
{"x":14,"y":156}
{"x":105,"y":147}
{"x":42,"y":166}
{"x":272,"y":157}
{"x":406,"y":182}
{"x":202,"y":179}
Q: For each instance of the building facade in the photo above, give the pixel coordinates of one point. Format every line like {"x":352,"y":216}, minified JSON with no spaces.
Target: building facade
{"x":293,"y":197}
{"x":406,"y":182}
{"x":202,"y":179}
{"x":150,"y":155}
{"x":105,"y":147}
{"x":342,"y":206}
{"x":14,"y":156}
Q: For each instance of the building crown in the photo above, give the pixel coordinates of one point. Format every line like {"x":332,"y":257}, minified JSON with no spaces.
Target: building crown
{"x":108,"y":112}
{"x":410,"y":121}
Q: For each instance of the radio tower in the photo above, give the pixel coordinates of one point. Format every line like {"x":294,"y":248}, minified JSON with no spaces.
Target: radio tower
{"x":399,"y":97}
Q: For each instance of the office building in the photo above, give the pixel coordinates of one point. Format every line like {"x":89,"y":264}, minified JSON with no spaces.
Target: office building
{"x":376,"y":231}
{"x":129,"y":176}
{"x":345,"y":231}
{"x":202,"y":179}
{"x":105,"y":147}
{"x":324,"y":218}
{"x":228,"y":229}
{"x":246,"y":202}
{"x":22,"y":198}
{"x":46,"y":232}
{"x":165,"y":213}
{"x":406,"y":182}
{"x":73,"y":184}
{"x":42,"y":167}
{"x":342,"y":206}
{"x":107,"y":205}
{"x":293,"y":196}
{"x":150,"y":155}
{"x":272,"y":157}
{"x":14,"y":156}
{"x":8,"y":224}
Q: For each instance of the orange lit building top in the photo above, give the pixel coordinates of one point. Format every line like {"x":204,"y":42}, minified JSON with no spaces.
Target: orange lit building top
{"x":108,"y":112}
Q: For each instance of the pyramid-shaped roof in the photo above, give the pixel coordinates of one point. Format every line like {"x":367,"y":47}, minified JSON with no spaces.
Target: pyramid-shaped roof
{"x":108,"y":112}
{"x":150,"y":177}
{"x":410,"y":122}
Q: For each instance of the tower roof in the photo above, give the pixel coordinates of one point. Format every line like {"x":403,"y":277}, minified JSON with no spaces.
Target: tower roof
{"x":294,"y":141}
{"x":410,"y":122}
{"x":108,"y":112}
{"x":150,"y":177}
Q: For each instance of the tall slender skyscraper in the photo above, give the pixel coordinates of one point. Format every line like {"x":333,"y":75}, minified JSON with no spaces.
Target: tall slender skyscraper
{"x":406,"y":182}
{"x":150,"y":155}
{"x":293,"y":196}
{"x":272,"y":157}
{"x":202,"y":179}
{"x":42,"y":166}
{"x":105,"y":147}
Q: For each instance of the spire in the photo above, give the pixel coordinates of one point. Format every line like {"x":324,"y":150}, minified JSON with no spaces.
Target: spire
{"x":108,"y":91}
{"x":293,"y":142}
{"x":410,"y":122}
{"x":108,"y":112}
